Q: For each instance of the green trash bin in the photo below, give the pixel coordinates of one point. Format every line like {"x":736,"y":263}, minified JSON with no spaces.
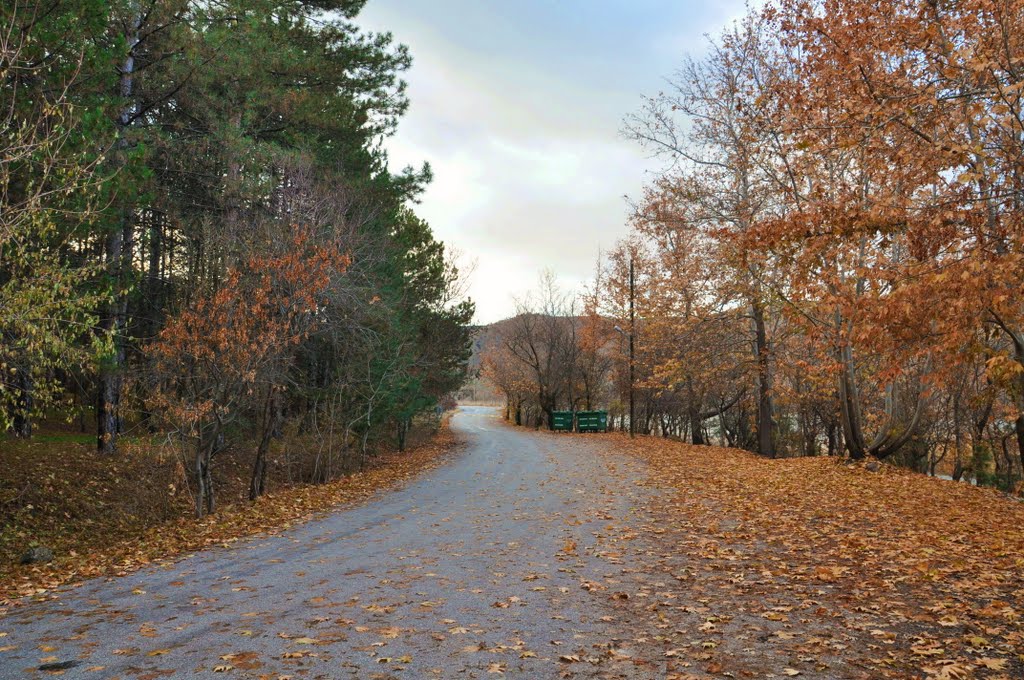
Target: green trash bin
{"x":592,"y":421}
{"x":561,"y":421}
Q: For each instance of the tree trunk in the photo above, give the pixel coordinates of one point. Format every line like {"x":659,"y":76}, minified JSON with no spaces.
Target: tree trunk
{"x":200,"y":472}
{"x":403,"y":431}
{"x":1019,"y":425}
{"x":113,"y":324}
{"x":547,"y":408}
{"x":730,"y":439}
{"x":204,"y":477}
{"x":958,"y":441}
{"x":886,"y":442}
{"x":1017,"y":387}
{"x":1019,"y":399}
{"x":810,"y":433}
{"x":214,"y":445}
{"x":258,"y":481}
{"x":118,"y":252}
{"x":154,"y":278}
{"x":765,"y":423}
{"x":108,"y":401}
{"x":1007,"y":466}
{"x":21,"y":422}
{"x":696,"y":427}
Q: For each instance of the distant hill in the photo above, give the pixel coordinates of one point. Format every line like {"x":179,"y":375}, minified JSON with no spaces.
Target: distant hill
{"x":484,"y":336}
{"x":478,"y":389}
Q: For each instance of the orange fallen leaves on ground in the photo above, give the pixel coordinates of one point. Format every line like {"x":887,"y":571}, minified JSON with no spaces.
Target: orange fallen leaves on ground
{"x":929,"y":567}
{"x":166,"y":541}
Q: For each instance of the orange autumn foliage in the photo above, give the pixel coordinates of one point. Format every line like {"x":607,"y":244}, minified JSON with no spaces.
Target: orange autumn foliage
{"x":215,"y":355}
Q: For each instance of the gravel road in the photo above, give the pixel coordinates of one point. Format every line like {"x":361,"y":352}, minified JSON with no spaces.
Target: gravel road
{"x":504,"y":561}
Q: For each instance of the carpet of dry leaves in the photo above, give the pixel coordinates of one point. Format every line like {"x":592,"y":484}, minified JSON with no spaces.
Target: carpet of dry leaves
{"x":845,"y":571}
{"x":120,"y":546}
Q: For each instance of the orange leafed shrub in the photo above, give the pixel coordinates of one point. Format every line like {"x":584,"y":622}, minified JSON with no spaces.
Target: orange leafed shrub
{"x":214,"y":356}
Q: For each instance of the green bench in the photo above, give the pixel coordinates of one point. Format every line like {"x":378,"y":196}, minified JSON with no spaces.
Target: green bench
{"x":592,"y":421}
{"x":582,"y":421}
{"x":561,"y":421}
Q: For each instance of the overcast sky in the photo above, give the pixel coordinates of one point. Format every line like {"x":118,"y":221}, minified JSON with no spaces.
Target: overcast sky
{"x":518,"y":106}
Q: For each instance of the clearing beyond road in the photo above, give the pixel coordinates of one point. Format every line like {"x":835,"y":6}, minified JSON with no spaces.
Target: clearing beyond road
{"x":536,"y":555}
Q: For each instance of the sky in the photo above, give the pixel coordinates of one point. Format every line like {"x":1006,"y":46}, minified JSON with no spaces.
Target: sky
{"x":519,"y":106}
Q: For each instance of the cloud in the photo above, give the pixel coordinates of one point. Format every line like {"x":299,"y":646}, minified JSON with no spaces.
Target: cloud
{"x":518,"y":108}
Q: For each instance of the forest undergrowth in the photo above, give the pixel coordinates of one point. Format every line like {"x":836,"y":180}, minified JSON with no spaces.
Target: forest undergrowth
{"x":108,"y":518}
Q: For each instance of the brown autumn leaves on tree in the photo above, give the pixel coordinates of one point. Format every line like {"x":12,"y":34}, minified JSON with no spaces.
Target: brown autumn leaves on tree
{"x":830,"y":259}
{"x":845,"y":178}
{"x":912,"y":200}
{"x":237,"y":346}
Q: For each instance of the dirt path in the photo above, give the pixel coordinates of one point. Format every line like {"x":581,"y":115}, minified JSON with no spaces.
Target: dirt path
{"x":505,"y":561}
{"x":529,"y":555}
